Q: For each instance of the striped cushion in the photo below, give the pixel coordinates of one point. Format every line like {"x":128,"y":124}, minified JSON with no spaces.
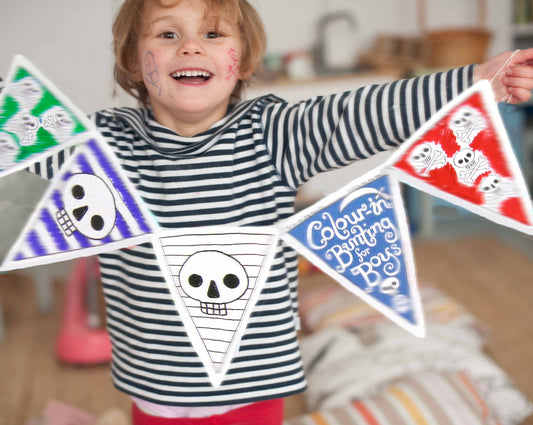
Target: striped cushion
{"x":425,"y":398}
{"x":334,"y":306}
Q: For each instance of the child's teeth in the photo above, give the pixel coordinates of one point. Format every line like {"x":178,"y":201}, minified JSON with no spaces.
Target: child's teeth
{"x":191,"y":74}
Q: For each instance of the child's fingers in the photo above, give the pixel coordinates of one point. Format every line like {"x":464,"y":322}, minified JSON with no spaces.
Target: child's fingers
{"x":519,"y":94}
{"x":523,"y":56}
{"x":521,"y":82}
{"x":525,"y":71}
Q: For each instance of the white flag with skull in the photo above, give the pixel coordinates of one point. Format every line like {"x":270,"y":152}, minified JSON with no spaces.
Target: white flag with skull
{"x":215,"y":276}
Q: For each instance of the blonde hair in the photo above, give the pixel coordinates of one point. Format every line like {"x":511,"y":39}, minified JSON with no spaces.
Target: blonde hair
{"x":129,"y":22}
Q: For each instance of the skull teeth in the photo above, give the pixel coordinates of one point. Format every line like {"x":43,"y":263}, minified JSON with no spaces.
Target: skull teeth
{"x":214,"y":309}
{"x":65,"y":222}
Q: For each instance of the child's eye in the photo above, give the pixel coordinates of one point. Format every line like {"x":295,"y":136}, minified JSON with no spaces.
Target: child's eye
{"x":168,"y":35}
{"x":212,"y":34}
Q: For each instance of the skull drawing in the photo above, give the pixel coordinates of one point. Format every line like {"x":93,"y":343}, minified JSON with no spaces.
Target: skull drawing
{"x":57,"y":121}
{"x":27,"y":92}
{"x":426,"y":157}
{"x":89,"y":207}
{"x":491,"y":184}
{"x":25,"y":126}
{"x":390,"y":286}
{"x":495,"y":190}
{"x":465,"y":124}
{"x":214,"y":279}
{"x":8,"y":150}
{"x":464,"y":159}
{"x":469,"y":165}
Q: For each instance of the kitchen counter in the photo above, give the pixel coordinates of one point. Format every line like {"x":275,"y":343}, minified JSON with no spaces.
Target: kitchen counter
{"x":295,"y":90}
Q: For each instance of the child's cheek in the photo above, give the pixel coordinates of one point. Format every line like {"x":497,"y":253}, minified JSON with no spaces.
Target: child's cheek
{"x":151,"y":74}
{"x":233,"y":65}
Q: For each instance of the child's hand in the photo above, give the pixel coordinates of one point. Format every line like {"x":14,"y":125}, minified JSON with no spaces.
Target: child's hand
{"x":510,"y":74}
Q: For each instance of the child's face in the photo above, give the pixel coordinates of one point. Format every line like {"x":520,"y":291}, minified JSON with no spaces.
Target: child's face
{"x":189,"y":65}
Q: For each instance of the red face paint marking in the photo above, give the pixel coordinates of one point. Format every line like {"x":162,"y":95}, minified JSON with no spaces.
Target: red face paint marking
{"x":233,"y":68}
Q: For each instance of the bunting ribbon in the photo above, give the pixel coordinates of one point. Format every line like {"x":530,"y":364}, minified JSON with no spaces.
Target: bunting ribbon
{"x":357,"y":235}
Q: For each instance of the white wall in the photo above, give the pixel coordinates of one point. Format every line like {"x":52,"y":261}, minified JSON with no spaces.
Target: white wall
{"x":68,"y":40}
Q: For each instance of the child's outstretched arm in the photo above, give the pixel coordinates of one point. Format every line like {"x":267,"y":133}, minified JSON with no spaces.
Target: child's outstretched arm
{"x":510,"y":74}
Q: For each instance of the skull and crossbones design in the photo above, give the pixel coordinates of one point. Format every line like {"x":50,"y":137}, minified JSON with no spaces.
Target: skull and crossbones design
{"x":390,"y":286}
{"x":58,"y":122}
{"x":214,"y":279}
{"x":466,"y":124}
{"x":8,"y":150}
{"x":55,"y":120}
{"x":25,"y":126}
{"x":89,"y":207}
{"x":469,"y":165}
{"x":496,"y":189}
{"x":426,"y":157}
{"x":27,"y":92}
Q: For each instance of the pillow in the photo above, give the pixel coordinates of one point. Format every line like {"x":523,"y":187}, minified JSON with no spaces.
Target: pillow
{"x":341,"y":367}
{"x":436,"y":398}
{"x":336,"y":306}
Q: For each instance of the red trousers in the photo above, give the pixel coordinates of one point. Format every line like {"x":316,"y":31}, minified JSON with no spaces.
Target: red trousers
{"x":268,"y":412}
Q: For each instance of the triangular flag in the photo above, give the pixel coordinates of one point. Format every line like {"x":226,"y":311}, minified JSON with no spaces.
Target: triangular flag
{"x":35,"y":118}
{"x":90,"y":207}
{"x":215,"y":276}
{"x":359,"y":236}
{"x":463,"y":155}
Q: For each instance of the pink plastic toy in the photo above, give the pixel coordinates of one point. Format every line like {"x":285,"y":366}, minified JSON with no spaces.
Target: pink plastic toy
{"x":80,"y":341}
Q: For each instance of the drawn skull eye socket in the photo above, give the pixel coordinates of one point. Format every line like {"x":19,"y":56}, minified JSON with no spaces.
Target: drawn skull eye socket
{"x":469,"y":155}
{"x":426,"y":149}
{"x":467,"y":114}
{"x":97,"y":222}
{"x":78,"y":192}
{"x":460,"y":162}
{"x":195,"y":280}
{"x":496,"y":181}
{"x":5,"y":145}
{"x":231,"y":281}
{"x":457,"y":122}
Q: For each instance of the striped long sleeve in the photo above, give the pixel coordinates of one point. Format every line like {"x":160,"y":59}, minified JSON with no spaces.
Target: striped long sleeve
{"x":322,"y":133}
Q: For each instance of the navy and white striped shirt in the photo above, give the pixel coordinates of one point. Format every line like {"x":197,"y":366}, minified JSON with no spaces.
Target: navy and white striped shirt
{"x":243,"y":171}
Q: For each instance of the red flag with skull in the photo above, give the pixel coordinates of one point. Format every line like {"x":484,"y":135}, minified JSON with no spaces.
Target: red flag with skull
{"x":463,"y":155}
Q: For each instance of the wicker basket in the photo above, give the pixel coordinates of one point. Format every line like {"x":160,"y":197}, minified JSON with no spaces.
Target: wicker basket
{"x":457,"y":46}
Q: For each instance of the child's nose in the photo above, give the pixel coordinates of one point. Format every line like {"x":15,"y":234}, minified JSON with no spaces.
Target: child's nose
{"x":190,"y":47}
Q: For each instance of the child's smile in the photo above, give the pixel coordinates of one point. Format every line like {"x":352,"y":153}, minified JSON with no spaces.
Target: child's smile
{"x":194,"y":76}
{"x":190,"y":65}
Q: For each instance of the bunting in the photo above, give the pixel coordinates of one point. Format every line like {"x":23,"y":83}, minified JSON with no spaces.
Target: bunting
{"x":36,"y":119}
{"x":90,"y":207}
{"x":463,"y":155}
{"x":215,"y":276}
{"x":359,"y":236}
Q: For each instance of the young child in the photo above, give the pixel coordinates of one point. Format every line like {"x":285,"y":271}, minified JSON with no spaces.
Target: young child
{"x":198,"y":157}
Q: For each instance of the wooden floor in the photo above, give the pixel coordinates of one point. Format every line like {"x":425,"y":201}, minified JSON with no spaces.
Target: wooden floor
{"x":493,"y":280}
